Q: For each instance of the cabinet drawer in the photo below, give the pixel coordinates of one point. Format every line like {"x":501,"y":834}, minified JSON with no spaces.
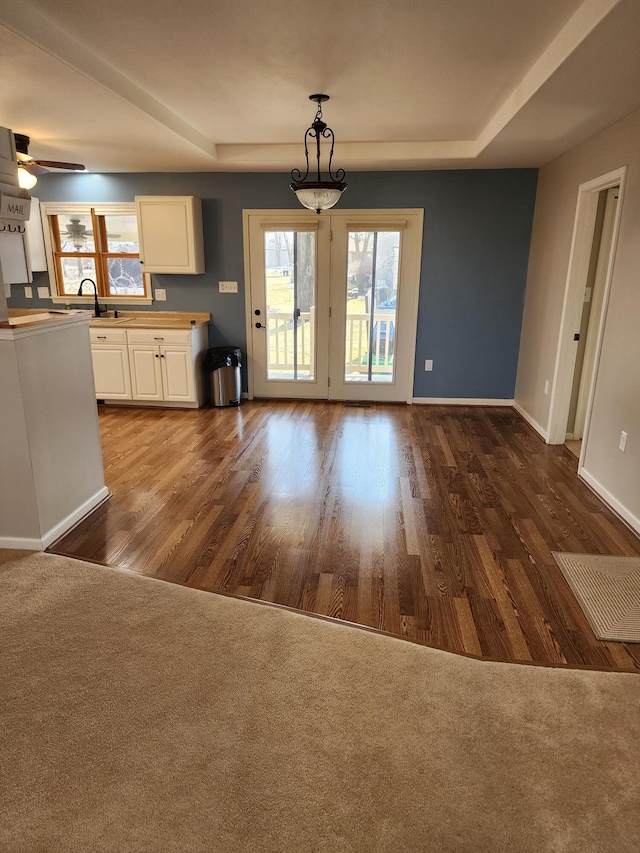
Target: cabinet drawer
{"x":108,"y":336}
{"x":159,"y":337}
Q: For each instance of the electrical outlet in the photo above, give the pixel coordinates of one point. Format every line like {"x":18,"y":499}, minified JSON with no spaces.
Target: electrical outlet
{"x":428,"y":364}
{"x":43,"y":293}
{"x":228,"y":286}
{"x":546,"y":386}
{"x":160,"y":294}
{"x":28,"y":293}
{"x":623,"y":441}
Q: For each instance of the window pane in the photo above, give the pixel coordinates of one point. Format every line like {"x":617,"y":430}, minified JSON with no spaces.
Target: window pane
{"x":122,"y":234}
{"x":125,"y":277}
{"x":290,"y":281}
{"x":371,"y":294}
{"x":76,"y":233}
{"x":74,"y":270}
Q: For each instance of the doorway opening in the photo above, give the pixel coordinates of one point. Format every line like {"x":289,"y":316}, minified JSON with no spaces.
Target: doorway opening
{"x":591,"y":315}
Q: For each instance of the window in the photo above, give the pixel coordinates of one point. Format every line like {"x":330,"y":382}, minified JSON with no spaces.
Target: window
{"x":99,"y":242}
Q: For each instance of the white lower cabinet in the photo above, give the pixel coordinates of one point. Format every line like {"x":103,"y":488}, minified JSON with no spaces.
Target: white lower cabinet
{"x":110,"y":356}
{"x":177,"y":374}
{"x":162,"y":373}
{"x":146,"y":375}
{"x":162,"y":366}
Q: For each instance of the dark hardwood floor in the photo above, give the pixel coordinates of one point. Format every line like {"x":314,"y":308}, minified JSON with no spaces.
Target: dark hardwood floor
{"x":431,"y":523}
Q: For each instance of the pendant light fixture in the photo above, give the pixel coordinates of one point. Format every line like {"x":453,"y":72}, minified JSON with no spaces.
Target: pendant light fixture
{"x":318,"y":195}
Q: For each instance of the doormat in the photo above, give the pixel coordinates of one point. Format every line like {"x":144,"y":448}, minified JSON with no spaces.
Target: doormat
{"x":608,"y":590}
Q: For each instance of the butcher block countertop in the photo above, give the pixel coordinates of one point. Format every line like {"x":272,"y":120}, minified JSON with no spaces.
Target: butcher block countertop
{"x":124,"y":320}
{"x":153,"y":320}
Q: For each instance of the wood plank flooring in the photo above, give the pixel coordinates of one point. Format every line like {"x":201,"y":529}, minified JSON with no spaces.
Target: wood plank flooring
{"x":431,"y":523}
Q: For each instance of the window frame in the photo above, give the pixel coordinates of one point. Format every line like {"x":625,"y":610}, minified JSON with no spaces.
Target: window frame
{"x":49,"y":212}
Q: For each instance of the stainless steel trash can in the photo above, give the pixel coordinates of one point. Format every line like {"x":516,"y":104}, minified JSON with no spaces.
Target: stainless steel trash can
{"x":225,"y":368}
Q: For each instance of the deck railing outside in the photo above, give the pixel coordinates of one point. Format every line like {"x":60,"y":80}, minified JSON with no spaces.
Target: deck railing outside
{"x":281,"y":331}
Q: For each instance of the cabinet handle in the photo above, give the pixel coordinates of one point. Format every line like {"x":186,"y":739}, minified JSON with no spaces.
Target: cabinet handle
{"x":158,"y":339}
{"x":157,"y":356}
{"x":161,"y":356}
{"x":101,"y":337}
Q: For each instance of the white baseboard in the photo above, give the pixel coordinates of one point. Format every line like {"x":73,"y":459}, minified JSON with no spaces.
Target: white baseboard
{"x":74,"y":517}
{"x":461,"y":401}
{"x":21,"y":544}
{"x":540,"y":430}
{"x":57,"y":530}
{"x":632,"y":520}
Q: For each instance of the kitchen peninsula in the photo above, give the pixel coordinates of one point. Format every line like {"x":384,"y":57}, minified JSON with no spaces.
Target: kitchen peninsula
{"x":50,"y":454}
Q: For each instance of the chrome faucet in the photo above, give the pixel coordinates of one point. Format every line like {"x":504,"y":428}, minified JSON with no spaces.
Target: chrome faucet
{"x":98,"y":309}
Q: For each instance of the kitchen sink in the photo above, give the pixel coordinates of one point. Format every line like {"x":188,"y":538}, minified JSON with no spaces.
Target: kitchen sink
{"x":108,"y":321}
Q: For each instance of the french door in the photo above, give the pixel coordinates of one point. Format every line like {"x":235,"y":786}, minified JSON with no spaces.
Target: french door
{"x":332,"y":303}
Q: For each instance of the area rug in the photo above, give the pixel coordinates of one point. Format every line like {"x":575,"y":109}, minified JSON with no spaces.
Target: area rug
{"x":138,"y":715}
{"x":608,"y":591}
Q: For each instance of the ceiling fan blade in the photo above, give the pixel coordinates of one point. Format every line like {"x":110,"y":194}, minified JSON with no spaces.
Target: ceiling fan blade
{"x":53,"y":164}
{"x":33,"y":168}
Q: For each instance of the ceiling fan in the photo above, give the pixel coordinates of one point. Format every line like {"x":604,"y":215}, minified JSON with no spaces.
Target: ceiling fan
{"x":29,"y":169}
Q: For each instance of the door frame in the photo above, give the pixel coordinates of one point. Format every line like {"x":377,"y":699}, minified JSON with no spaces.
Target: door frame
{"x":410,"y":294}
{"x":579,"y":257}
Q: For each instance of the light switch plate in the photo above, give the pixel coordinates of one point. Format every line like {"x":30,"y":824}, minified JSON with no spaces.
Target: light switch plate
{"x":428,"y":364}
{"x":228,"y":286}
{"x":160,"y":294}
{"x":43,"y":293}
{"x":623,"y":441}
{"x":28,"y":293}
{"x":7,"y":291}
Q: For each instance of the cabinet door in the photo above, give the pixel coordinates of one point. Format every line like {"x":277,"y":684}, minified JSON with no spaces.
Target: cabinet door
{"x":146,"y":373}
{"x":111,"y":372}
{"x":170,"y":233}
{"x":177,"y":374}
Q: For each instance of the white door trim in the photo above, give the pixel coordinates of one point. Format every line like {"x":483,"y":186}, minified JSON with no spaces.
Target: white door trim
{"x":579,"y":257}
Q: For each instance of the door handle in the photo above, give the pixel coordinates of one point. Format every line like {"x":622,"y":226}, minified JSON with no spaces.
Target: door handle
{"x":259,"y":326}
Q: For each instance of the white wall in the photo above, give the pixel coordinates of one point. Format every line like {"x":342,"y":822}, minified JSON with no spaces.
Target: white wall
{"x":617,"y":397}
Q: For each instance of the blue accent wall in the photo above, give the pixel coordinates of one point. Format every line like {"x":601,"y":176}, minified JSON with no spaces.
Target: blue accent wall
{"x":477,"y":232}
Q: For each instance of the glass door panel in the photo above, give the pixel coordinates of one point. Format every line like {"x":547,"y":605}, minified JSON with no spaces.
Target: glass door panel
{"x":371,"y":297}
{"x":290,"y":285}
{"x":289,"y":260}
{"x":375,"y":279}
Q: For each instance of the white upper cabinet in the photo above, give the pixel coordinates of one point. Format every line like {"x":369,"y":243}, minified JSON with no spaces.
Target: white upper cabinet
{"x":170,"y":233}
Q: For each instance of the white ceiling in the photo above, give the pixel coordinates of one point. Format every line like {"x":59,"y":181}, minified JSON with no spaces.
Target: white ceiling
{"x":223,"y":85}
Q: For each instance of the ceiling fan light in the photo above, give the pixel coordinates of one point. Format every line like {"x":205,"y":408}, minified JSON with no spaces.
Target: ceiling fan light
{"x":319,"y":199}
{"x":26,"y":179}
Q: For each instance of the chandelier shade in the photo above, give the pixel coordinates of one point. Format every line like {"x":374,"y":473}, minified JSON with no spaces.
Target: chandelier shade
{"x":312,"y":192}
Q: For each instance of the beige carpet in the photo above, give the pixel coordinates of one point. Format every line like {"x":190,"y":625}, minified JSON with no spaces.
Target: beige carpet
{"x":143,"y":716}
{"x":608,"y":590}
